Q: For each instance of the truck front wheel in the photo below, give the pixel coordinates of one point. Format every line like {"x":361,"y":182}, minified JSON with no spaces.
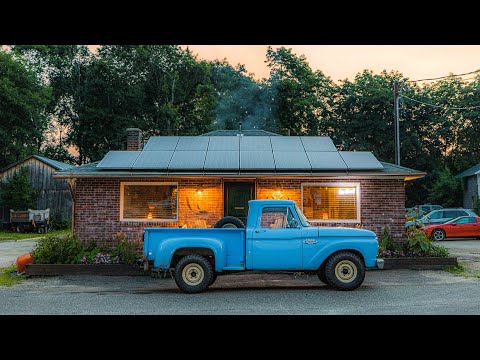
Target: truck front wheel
{"x":193,"y":274}
{"x":344,"y":271}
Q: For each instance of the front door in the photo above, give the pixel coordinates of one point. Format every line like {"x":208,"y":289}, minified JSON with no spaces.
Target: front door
{"x":236,"y":197}
{"x":277,"y":240}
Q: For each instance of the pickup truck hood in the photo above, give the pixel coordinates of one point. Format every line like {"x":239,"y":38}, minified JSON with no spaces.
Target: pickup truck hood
{"x":344,"y":232}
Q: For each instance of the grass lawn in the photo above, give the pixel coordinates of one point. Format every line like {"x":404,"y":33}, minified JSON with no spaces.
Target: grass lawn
{"x":7,"y":278}
{"x":10,"y":235}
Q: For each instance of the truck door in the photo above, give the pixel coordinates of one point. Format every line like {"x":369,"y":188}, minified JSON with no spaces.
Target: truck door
{"x":277,"y":240}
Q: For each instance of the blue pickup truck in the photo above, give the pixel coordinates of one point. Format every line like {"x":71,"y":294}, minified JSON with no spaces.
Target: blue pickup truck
{"x":277,"y":237}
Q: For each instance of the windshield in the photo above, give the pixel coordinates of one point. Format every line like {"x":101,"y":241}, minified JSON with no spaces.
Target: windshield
{"x":302,"y":217}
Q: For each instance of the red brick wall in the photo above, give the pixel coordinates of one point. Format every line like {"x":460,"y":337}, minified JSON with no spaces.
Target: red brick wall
{"x":97,"y":207}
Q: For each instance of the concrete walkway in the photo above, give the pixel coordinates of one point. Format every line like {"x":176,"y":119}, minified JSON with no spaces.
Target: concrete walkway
{"x":11,"y":249}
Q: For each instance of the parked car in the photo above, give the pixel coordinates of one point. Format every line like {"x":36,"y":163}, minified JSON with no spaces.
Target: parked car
{"x":426,"y":208}
{"x":439,"y":217}
{"x":463,"y":226}
{"x":277,"y":237}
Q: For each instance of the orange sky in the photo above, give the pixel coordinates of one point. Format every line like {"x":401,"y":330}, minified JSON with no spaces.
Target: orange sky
{"x":344,"y":61}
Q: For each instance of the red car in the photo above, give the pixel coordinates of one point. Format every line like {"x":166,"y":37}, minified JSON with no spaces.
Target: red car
{"x":463,"y":226}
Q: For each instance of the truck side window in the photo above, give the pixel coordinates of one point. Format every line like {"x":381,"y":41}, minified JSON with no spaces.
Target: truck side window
{"x":276,"y":218}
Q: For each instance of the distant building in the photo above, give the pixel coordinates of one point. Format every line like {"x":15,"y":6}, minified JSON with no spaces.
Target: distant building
{"x":193,"y":181}
{"x":471,"y":185}
{"x":54,"y":193}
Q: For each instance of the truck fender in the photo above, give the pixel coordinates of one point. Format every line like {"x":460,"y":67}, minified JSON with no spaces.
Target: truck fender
{"x":167,"y":249}
{"x":317,"y":260}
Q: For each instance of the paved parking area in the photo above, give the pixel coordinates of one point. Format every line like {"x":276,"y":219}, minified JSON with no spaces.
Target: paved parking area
{"x":11,"y":249}
{"x":384,"y":292}
{"x":467,"y":251}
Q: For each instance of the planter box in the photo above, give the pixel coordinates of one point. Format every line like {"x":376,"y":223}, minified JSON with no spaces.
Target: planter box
{"x":77,"y":269}
{"x":420,"y":263}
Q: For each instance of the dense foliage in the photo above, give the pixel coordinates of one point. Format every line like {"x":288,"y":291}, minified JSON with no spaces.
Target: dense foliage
{"x":65,"y":250}
{"x":16,"y":193}
{"x":91,"y":98}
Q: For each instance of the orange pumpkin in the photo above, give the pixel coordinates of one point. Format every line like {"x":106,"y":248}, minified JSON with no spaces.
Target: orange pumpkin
{"x":23,"y":260}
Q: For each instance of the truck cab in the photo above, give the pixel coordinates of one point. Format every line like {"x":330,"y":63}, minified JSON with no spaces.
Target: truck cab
{"x":277,"y":237}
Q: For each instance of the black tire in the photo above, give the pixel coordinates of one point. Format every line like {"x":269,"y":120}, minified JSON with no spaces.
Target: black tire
{"x":41,"y":230}
{"x":344,"y":271}
{"x":194,"y":265}
{"x":321,"y":275}
{"x":212,"y":280}
{"x":438,"y":235}
{"x":229,"y":222}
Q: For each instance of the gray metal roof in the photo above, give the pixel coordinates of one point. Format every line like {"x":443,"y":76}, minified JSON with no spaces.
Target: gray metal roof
{"x":57,"y":165}
{"x":470,"y":171}
{"x":205,"y":154}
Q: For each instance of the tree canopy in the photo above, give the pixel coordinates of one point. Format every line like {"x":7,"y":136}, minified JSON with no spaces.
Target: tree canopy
{"x":91,"y":98}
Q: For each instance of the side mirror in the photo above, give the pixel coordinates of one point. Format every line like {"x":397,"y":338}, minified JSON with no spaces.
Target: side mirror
{"x":294,"y":223}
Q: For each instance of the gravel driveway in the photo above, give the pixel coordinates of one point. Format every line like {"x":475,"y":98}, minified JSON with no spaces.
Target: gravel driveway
{"x":11,"y":249}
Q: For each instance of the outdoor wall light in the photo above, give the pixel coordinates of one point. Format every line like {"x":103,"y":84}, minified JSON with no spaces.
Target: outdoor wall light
{"x":199,"y":190}
{"x":149,"y":216}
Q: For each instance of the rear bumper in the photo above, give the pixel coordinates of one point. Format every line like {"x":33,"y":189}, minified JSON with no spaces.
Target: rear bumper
{"x":380,"y":263}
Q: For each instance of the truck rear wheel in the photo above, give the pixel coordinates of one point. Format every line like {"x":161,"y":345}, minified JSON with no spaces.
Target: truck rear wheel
{"x":193,"y":274}
{"x":229,"y":222}
{"x":344,"y":271}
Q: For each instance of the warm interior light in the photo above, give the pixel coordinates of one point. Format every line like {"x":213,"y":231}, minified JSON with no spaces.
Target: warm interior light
{"x":151,"y":206}
{"x":346,"y":191}
{"x":149,"y":216}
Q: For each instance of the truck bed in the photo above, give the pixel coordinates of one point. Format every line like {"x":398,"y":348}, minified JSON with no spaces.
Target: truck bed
{"x":161,"y":243}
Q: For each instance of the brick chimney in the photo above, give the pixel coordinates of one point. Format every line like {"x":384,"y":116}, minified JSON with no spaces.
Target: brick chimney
{"x":134,"y":139}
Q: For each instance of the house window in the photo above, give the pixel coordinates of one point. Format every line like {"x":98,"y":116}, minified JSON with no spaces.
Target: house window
{"x":148,"y":201}
{"x":331,"y":202}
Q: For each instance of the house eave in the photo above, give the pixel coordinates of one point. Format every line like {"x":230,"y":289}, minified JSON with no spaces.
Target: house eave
{"x":196,"y":174}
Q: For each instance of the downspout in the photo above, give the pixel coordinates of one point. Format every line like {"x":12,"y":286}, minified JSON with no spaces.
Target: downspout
{"x":71,"y":186}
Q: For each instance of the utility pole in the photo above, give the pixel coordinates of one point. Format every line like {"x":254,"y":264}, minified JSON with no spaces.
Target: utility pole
{"x":396,"y":99}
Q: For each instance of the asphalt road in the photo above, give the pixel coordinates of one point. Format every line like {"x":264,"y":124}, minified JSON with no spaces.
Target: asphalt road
{"x":383,"y":292}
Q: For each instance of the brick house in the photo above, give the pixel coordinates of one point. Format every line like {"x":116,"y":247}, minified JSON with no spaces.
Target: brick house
{"x":193,"y":181}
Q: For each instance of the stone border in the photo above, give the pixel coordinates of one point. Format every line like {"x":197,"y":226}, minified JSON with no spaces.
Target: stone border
{"x":90,"y":269}
{"x":419,"y":263}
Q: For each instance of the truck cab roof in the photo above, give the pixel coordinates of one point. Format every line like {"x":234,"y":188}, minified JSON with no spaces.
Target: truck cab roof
{"x":271,"y":202}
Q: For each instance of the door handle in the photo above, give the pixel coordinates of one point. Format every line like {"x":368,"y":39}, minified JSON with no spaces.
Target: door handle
{"x":257,"y":231}
{"x":310,"y":242}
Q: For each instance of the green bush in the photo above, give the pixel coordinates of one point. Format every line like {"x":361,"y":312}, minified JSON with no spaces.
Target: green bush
{"x":57,"y":250}
{"x":417,"y":242}
{"x":438,"y":250}
{"x":55,"y":221}
{"x":386,"y":241}
{"x":128,"y":253}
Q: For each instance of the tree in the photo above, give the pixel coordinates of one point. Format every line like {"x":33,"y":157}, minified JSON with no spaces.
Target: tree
{"x":239,"y":98}
{"x":23,"y":120}
{"x":445,"y":190}
{"x":302,"y":100}
{"x":17,"y":193}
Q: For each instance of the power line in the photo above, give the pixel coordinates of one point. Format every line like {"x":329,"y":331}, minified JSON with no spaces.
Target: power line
{"x":443,"y":77}
{"x":442,"y":107}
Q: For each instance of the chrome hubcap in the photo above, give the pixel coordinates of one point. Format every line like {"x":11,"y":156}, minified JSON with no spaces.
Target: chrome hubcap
{"x":346,"y":271}
{"x":438,"y":235}
{"x":193,"y":274}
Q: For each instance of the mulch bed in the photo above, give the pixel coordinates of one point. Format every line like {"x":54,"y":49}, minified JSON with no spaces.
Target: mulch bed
{"x":419,"y":263}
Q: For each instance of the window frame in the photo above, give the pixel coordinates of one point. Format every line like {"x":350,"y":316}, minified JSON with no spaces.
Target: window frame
{"x":336,"y":184}
{"x":144,"y":183}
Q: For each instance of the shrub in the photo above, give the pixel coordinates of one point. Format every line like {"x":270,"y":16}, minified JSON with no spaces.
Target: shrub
{"x":55,"y":221}
{"x":128,"y":253}
{"x":386,"y":241}
{"x":417,"y":242}
{"x":56,"y":250}
{"x":438,"y":250}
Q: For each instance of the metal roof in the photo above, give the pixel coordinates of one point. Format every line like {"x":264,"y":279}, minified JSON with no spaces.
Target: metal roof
{"x":57,"y":165}
{"x":243,"y":155}
{"x":470,"y":171}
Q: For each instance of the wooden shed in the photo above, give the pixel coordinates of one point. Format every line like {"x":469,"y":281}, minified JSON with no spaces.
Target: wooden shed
{"x":54,"y":193}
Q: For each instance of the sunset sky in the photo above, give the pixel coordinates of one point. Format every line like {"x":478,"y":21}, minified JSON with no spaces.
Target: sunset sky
{"x":344,"y":61}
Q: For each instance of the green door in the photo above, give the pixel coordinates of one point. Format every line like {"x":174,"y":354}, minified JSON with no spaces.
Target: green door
{"x":236,"y":197}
